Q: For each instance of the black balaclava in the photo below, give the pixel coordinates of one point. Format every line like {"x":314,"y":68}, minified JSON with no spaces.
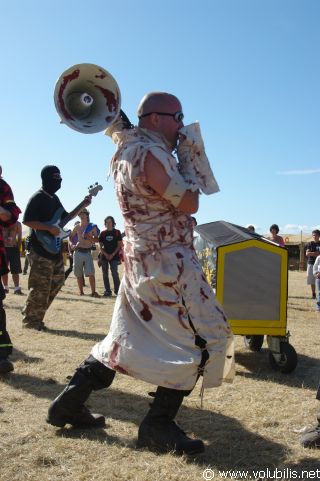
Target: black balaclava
{"x":51,"y":179}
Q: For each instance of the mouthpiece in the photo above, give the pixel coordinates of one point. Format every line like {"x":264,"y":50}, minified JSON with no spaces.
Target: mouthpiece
{"x":79,"y":105}
{"x":86,"y":99}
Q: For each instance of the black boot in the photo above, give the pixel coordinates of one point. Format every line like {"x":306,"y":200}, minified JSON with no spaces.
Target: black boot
{"x":311,"y":438}
{"x":69,"y":408}
{"x":6,"y":366}
{"x":5,"y":341}
{"x":159,"y":432}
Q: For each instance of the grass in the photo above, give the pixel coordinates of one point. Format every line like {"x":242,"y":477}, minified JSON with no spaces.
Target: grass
{"x":245,"y":425}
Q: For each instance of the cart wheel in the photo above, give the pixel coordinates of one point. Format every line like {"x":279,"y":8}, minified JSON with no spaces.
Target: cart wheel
{"x":288,"y":360}
{"x":254,"y":343}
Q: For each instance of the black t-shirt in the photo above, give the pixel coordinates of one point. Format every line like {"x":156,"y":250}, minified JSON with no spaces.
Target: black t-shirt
{"x":41,"y":208}
{"x":109,"y":240}
{"x":313,"y":247}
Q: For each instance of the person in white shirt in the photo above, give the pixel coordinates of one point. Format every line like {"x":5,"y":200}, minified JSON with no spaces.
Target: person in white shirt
{"x":316,"y":273}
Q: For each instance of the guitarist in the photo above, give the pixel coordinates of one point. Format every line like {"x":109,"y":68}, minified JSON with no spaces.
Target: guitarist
{"x":47,"y":269}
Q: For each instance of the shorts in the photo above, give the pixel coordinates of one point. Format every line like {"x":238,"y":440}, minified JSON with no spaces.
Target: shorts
{"x":310,"y":277}
{"x":83,"y":261}
{"x":13,"y":259}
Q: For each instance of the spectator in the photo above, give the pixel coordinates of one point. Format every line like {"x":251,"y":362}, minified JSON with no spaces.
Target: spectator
{"x":9,"y":213}
{"x":316,"y":273}
{"x":312,"y":252}
{"x":71,"y":242}
{"x":277,"y":239}
{"x":12,"y":241}
{"x":82,"y":238}
{"x":110,"y":241}
{"x":26,"y":250}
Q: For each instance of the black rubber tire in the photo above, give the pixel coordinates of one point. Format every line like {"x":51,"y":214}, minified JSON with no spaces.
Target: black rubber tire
{"x":254,"y":343}
{"x":288,"y":361}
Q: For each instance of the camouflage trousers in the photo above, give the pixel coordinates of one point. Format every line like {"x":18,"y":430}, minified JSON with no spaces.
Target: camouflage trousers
{"x":5,"y":341}
{"x":45,"y":281}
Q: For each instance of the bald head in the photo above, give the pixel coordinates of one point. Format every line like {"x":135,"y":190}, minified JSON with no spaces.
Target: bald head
{"x":156,"y":102}
{"x":157,"y":111}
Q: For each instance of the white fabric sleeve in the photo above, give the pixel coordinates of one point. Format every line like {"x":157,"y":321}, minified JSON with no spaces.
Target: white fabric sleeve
{"x":193,"y":162}
{"x":175,"y":190}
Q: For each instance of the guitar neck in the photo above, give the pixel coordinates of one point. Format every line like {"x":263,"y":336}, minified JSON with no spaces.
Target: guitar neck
{"x":71,"y":215}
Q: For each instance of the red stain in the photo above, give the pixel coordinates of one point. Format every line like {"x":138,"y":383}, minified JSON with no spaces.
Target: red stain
{"x":102,"y":74}
{"x":143,"y":258}
{"x":140,"y":210}
{"x":180,"y":316}
{"x":180,"y":269}
{"x":145,"y":313}
{"x":120,"y":369}
{"x":113,"y":359}
{"x":110,"y":98}
{"x":160,"y":302}
{"x":222,"y":313}
{"x":68,"y":78}
{"x":182,"y":238}
{"x":114,"y":354}
{"x":161,"y":233}
{"x":203,"y":294}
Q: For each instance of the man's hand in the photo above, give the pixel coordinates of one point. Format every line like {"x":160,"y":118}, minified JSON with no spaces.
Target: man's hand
{"x":312,"y":254}
{"x":87,"y":200}
{"x":54,"y":230}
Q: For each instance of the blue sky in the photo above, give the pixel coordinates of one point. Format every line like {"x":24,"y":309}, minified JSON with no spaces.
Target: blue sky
{"x":248,"y":70}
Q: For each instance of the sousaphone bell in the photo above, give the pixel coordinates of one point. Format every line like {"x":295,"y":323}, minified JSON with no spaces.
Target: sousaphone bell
{"x":87,"y":98}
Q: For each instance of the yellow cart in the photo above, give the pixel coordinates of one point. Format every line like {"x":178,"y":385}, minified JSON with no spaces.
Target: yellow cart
{"x":250,"y":276}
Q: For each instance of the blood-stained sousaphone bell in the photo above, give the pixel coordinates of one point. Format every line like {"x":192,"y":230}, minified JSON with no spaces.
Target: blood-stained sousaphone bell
{"x":87,"y":98}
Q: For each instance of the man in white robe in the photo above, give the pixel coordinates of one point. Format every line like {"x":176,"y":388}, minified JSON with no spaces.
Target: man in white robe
{"x":167,"y":328}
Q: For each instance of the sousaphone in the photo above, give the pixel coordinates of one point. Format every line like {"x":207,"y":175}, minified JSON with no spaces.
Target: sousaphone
{"x":87,"y":98}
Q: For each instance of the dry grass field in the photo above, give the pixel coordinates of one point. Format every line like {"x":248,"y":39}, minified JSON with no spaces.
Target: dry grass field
{"x":247,"y":425}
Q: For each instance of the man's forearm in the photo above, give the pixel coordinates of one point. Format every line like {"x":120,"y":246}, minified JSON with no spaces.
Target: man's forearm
{"x":36,"y":225}
{"x":116,"y":251}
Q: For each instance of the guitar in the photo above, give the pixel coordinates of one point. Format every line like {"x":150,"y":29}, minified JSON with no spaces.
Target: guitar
{"x":53,"y":244}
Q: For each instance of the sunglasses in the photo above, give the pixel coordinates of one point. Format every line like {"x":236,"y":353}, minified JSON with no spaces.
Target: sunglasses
{"x":178,"y":116}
